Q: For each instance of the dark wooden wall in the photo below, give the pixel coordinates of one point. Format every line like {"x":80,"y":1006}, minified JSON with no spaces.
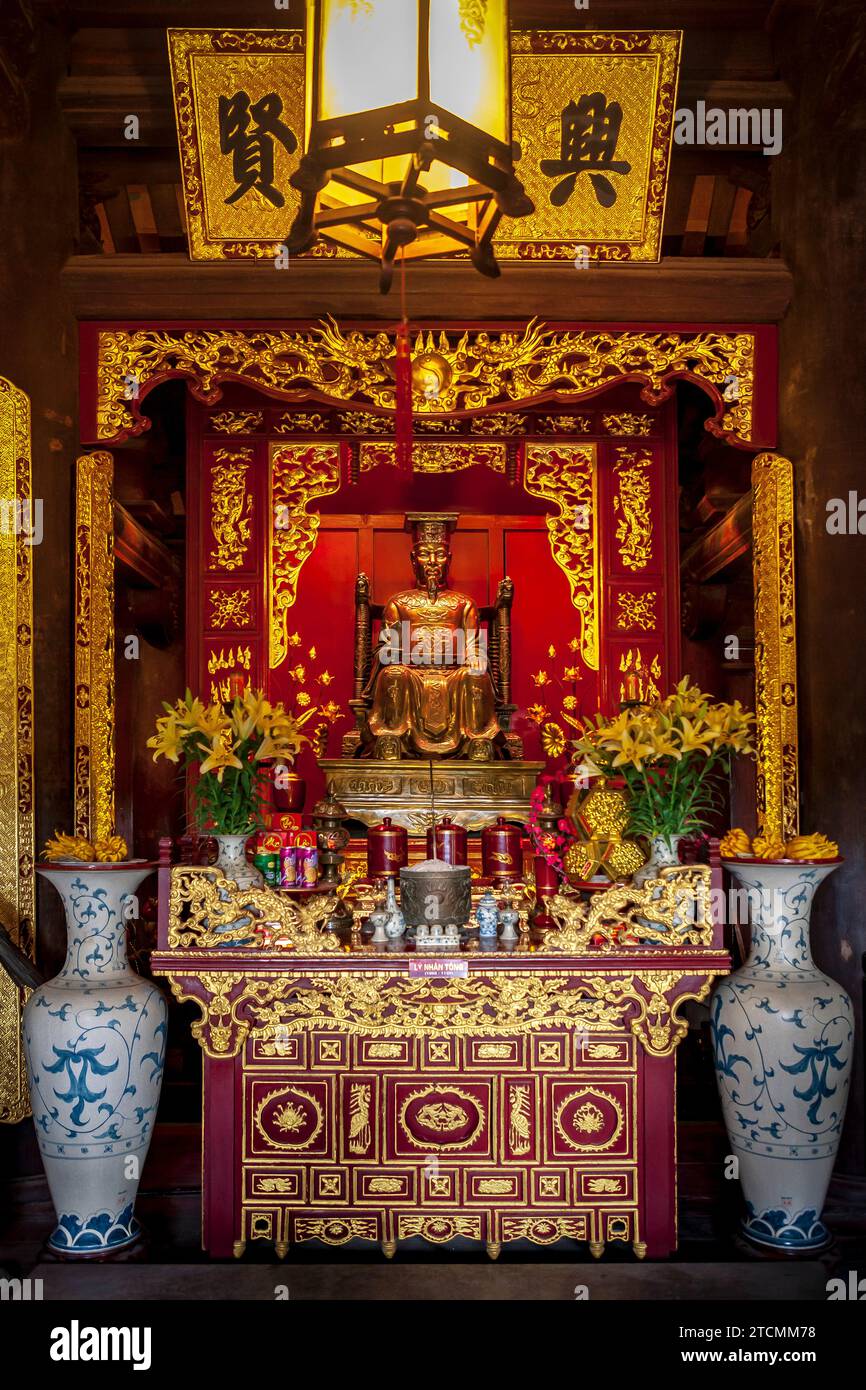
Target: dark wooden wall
{"x":820,"y":208}
{"x":38,"y":352}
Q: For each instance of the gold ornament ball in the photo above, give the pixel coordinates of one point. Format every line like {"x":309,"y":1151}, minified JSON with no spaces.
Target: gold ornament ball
{"x":432,"y":375}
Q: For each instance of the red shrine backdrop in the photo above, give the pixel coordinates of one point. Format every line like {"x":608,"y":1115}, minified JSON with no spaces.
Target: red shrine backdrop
{"x":280,"y":525}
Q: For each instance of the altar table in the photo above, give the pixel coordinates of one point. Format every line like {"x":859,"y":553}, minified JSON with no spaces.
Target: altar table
{"x":363,"y":1094}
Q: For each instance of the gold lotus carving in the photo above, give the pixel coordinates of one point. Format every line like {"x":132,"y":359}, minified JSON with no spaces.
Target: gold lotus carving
{"x":299,"y":1110}
{"x":588,"y":1119}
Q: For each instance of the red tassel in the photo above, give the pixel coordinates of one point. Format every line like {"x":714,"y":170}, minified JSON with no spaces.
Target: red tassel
{"x":403,"y":382}
{"x":403,"y":398}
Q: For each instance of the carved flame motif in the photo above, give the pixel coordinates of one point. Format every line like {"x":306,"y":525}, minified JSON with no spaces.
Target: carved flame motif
{"x":442,"y":1117}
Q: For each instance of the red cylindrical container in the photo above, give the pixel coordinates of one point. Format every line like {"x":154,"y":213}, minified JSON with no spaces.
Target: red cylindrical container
{"x":501,"y":851}
{"x":547,"y":880}
{"x":451,"y":842}
{"x":387,"y":849}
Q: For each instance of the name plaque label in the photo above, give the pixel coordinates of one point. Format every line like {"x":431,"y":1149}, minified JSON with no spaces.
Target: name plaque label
{"x":438,"y":969}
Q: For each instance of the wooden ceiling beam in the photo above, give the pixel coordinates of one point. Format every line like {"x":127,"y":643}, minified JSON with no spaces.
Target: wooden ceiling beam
{"x":719,"y":547}
{"x":538,"y":14}
{"x":679,"y":290}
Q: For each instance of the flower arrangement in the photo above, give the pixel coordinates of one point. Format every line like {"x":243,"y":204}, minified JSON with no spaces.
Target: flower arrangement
{"x":110,"y":849}
{"x":671,"y":756}
{"x":228,"y":743}
{"x":550,"y":844}
{"x":738,"y":845}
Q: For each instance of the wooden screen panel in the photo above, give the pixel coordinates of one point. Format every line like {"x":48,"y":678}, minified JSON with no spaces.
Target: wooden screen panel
{"x":323,"y":618}
{"x":640,"y":569}
{"x":543,"y":617}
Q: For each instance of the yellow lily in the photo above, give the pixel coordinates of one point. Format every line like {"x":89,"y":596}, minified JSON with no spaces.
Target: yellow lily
{"x":211,"y":722}
{"x":221,"y":756}
{"x":168,"y":740}
{"x":695,"y":739}
{"x":635,"y":749}
{"x":254,"y":713}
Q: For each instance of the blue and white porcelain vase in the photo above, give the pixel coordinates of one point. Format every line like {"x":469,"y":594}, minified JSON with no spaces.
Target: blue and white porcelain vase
{"x":94,"y":1040}
{"x":782,"y":1041}
{"x":487,"y":916}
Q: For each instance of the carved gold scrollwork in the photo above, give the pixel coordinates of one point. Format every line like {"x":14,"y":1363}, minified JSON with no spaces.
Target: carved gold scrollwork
{"x":94,"y":646}
{"x":566,"y":475}
{"x":634,"y":529}
{"x":674,"y":909}
{"x":207,"y":910}
{"x":636,"y":610}
{"x":234,"y":1006}
{"x":775,"y":646}
{"x":231,"y":507}
{"x":483,"y":369}
{"x":299,"y":474}
{"x":445,"y":456}
{"x":16,"y":729}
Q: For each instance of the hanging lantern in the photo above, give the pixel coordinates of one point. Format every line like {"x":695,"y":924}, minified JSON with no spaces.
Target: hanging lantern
{"x":408,"y":130}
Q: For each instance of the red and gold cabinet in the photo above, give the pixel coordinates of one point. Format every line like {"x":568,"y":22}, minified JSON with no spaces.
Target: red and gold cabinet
{"x":349,"y":1097}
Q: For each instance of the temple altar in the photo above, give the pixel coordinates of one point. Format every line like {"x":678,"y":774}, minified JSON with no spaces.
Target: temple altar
{"x":355,"y":1094}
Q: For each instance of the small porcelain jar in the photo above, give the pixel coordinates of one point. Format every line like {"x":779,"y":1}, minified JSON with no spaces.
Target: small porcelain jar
{"x":487,"y":915}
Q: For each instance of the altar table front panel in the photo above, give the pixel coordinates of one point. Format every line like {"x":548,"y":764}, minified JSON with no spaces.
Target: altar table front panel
{"x":532,"y":1098}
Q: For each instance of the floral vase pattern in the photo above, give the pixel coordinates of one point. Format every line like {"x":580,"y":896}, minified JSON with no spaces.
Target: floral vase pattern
{"x":94,"y":1040}
{"x":663,"y":855}
{"x":782,"y":1043}
{"x":232,"y":862}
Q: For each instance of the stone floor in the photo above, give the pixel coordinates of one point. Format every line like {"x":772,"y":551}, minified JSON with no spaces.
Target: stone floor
{"x":428,"y":1278}
{"x":711,"y":1264}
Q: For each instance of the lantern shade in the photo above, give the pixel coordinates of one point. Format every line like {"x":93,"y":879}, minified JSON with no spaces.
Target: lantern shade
{"x":366,"y":57}
{"x":408,"y":129}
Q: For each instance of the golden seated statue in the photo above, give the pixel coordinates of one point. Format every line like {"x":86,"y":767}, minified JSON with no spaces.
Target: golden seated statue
{"x":436,"y":683}
{"x":433,"y":683}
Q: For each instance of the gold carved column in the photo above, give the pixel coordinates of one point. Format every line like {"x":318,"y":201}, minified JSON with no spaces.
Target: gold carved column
{"x":94,"y":646}
{"x":775,"y":645}
{"x":17,"y":534}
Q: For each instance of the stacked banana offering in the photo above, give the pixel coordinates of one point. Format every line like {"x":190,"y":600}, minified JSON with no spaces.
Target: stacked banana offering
{"x":737,"y":845}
